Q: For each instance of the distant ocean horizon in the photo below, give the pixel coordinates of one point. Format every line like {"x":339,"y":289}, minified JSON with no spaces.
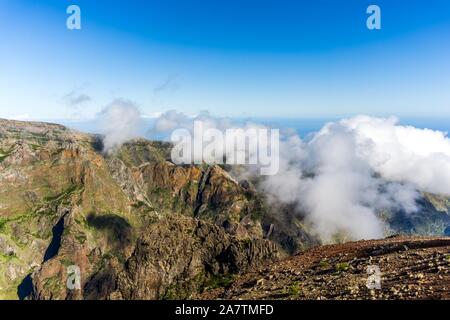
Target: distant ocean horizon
{"x":303,"y":126}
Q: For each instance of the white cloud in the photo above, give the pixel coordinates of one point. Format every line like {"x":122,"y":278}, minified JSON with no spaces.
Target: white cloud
{"x":75,"y":98}
{"x":119,"y":121}
{"x":404,"y":153}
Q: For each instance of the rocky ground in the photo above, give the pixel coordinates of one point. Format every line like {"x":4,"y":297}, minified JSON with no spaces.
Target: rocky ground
{"x":411,"y":268}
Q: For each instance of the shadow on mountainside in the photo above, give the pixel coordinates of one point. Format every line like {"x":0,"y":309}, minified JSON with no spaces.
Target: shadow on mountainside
{"x":119,"y":231}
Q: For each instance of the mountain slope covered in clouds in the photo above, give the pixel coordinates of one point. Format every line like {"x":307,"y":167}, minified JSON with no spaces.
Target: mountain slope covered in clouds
{"x":138,"y":226}
{"x":345,"y":180}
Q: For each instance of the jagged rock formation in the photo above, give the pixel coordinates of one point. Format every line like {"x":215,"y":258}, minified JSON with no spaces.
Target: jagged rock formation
{"x":177,"y":257}
{"x":410,"y":268}
{"x":64,"y":203}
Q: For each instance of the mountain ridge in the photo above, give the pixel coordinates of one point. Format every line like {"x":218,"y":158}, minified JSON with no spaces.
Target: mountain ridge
{"x":133,"y":216}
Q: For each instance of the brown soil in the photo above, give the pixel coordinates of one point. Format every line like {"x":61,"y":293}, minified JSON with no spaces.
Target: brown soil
{"x":411,"y":268}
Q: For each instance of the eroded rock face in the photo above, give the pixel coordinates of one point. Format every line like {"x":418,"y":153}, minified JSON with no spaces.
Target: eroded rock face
{"x":103,"y":205}
{"x":206,"y":192}
{"x":176,"y":258}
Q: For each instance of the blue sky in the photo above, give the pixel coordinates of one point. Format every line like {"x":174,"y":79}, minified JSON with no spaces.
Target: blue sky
{"x":230,"y":57}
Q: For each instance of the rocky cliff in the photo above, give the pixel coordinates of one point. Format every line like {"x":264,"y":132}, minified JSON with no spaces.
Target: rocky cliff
{"x":120,"y":218}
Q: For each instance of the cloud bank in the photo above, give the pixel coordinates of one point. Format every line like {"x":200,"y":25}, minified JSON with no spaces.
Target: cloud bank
{"x":353,"y":169}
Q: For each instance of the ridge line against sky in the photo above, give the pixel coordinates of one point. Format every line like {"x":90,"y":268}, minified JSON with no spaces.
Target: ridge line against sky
{"x":232,"y":58}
